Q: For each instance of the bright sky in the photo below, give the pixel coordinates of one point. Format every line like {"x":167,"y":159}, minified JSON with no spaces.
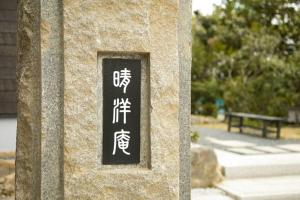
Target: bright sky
{"x":205,"y":6}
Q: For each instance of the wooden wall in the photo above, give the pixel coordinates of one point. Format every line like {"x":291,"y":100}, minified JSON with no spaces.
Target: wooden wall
{"x":8,"y":27}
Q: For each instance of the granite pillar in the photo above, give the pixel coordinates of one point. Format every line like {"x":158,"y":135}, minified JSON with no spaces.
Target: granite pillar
{"x":61,"y":47}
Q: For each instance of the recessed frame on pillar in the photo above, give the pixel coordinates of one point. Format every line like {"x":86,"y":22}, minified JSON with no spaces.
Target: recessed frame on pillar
{"x":124,"y":100}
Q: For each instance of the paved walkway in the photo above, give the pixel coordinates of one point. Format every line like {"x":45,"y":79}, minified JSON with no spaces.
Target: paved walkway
{"x":244,"y":144}
{"x":255,"y":168}
{"x":8,"y":128}
{"x":270,"y":188}
{"x":208,"y":194}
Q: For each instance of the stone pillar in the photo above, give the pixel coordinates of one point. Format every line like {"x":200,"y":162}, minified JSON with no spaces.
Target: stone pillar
{"x":61,"y":50}
{"x":185,"y":57}
{"x":39,"y":161}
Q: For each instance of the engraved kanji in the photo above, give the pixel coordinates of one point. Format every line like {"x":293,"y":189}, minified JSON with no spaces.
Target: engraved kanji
{"x":121,"y":106}
{"x":121,"y":141}
{"x":122,"y":78}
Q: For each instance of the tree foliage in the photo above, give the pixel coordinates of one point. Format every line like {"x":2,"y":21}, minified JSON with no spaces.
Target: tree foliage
{"x":248,"y":53}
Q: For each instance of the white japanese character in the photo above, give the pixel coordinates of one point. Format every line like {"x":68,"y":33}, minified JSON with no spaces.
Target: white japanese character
{"x":121,"y":140}
{"x":122,"y":79}
{"x":121,"y":106}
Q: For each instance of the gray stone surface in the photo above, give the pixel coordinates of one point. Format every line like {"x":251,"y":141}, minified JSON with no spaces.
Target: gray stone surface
{"x":52,"y":99}
{"x":28,"y":153}
{"x":184,"y":48}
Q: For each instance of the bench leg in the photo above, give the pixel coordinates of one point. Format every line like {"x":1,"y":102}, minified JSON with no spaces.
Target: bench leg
{"x":264,"y":129}
{"x":229,"y":123}
{"x":278,"y":125}
{"x":241,"y":124}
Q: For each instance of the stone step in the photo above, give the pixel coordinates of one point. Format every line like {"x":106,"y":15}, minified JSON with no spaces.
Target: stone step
{"x":256,"y":171}
{"x":271,"y":188}
{"x":237,"y":167}
{"x":208,"y":194}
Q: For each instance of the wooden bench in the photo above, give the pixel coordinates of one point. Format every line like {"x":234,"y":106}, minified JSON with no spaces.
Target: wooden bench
{"x":266,"y":121}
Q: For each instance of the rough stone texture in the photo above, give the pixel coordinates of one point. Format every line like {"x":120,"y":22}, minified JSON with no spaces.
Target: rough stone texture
{"x":29,"y":101}
{"x":7,"y":185}
{"x":52,"y":100}
{"x":7,"y":174}
{"x":39,"y":171}
{"x":206,"y":171}
{"x":184,"y":48}
{"x":121,"y":26}
{"x":59,"y":69}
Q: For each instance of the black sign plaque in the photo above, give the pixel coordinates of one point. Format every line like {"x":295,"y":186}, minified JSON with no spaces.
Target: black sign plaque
{"x":121,"y":110}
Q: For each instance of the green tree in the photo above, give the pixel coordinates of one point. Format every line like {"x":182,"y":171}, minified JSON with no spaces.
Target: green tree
{"x":247,"y":52}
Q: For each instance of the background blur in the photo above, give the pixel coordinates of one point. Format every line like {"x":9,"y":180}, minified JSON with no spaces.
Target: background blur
{"x":246,"y":57}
